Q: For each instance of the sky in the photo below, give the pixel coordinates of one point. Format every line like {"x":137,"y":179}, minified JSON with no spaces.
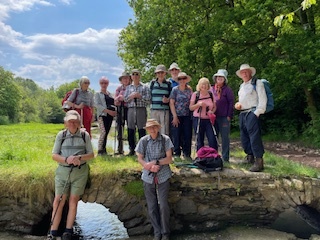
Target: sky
{"x":57,"y":41}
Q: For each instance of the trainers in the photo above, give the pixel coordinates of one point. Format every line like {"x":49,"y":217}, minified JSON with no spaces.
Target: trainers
{"x":66,"y":236}
{"x":50,"y":237}
{"x":165,"y":237}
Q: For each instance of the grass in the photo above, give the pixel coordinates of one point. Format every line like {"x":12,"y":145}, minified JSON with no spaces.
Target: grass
{"x":26,"y":165}
{"x":27,"y":168}
{"x":280,"y":167}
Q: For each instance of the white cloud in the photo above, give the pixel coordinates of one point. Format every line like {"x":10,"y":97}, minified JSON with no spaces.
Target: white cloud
{"x":53,"y":59}
{"x":7,"y":6}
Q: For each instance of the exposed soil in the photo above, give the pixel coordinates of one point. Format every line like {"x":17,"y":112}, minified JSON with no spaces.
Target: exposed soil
{"x":294,"y":152}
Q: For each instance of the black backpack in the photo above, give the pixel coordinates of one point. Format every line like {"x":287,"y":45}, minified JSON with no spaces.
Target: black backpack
{"x":209,"y":164}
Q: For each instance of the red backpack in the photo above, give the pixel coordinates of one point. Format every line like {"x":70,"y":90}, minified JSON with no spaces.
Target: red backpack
{"x":64,"y":104}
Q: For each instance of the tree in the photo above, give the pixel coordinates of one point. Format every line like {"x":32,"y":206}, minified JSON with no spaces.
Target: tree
{"x":204,"y":35}
{"x":9,"y":96}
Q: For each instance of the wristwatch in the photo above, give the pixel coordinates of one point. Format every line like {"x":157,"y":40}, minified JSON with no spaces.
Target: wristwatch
{"x":80,"y":157}
{"x":157,"y":162}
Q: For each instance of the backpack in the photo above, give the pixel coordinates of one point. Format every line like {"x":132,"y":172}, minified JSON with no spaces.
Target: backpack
{"x":64,"y":104}
{"x":198,"y":96}
{"x":208,"y":159}
{"x":64,"y":136}
{"x":270,"y":100}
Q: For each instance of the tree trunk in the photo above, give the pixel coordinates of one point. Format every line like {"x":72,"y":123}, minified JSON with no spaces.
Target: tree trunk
{"x":311,"y":106}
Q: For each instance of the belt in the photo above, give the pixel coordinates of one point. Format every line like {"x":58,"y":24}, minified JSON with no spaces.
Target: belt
{"x":72,"y":165}
{"x":248,"y":110}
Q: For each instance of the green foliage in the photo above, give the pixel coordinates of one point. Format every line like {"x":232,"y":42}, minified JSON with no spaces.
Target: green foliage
{"x":202,"y":36}
{"x":135,"y":188}
{"x":10,"y":96}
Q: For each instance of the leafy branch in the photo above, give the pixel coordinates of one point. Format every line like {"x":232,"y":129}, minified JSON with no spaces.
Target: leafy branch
{"x":289,"y":16}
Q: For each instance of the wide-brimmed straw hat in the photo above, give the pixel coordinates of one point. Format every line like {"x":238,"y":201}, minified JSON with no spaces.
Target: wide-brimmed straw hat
{"x":124,"y":74}
{"x":174,"y":66}
{"x":152,"y":122}
{"x":221,"y":73}
{"x":183,"y":75}
{"x":72,"y":115}
{"x":244,"y":67}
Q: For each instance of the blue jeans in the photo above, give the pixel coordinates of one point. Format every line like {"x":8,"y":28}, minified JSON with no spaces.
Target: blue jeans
{"x":183,"y":131}
{"x":250,"y":134}
{"x":205,"y":128}
{"x":222,"y":126}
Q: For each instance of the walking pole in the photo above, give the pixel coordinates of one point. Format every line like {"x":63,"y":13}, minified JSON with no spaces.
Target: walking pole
{"x":197,"y":131}
{"x":81,"y":118}
{"x":122,"y":124}
{"x":215,"y":134}
{"x":115,"y":136}
{"x":135,"y":112}
{"x":60,"y":199}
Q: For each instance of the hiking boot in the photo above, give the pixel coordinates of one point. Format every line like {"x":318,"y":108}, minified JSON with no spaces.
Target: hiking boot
{"x":131,"y":153}
{"x":66,"y":236}
{"x":165,"y":237}
{"x":50,"y":237}
{"x":257,"y":166}
{"x":250,"y":159}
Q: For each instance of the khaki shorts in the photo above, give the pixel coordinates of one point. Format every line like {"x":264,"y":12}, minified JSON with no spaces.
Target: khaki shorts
{"x":75,"y":177}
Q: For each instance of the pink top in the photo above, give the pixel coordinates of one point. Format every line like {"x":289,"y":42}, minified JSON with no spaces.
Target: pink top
{"x":207,"y":100}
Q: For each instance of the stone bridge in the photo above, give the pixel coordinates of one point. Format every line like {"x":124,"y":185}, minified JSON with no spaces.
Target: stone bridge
{"x":199,"y":201}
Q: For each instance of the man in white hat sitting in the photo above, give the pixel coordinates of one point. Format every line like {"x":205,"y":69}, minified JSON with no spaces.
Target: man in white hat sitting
{"x":252,"y":103}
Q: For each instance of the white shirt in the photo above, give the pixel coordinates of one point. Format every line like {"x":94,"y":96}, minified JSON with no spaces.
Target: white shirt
{"x":251,"y":98}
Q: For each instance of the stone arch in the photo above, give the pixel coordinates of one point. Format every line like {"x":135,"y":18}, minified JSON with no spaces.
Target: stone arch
{"x":199,"y":201}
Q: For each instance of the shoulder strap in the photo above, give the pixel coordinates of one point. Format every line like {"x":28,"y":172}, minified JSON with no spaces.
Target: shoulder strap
{"x":83,"y":135}
{"x":198,"y":96}
{"x":254,"y":82}
{"x":64,"y":134}
{"x":211,"y":95}
{"x":77,"y":93}
{"x":152,"y":84}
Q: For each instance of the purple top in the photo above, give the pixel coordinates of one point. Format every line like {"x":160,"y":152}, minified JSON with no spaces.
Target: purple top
{"x":225,"y":103}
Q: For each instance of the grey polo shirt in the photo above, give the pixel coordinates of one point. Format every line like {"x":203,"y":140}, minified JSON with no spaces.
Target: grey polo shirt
{"x":73,"y":144}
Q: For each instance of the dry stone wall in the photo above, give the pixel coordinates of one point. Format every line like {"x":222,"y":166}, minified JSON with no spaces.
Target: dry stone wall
{"x":199,"y":201}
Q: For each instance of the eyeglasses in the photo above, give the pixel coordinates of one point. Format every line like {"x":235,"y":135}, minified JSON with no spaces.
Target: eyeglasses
{"x":86,"y":82}
{"x":135,"y":74}
{"x":160,"y":72}
{"x":182,"y":78}
{"x":104,"y":83}
{"x":173,"y":69}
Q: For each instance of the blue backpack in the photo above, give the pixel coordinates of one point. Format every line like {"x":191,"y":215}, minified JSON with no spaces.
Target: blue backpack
{"x":270,"y":100}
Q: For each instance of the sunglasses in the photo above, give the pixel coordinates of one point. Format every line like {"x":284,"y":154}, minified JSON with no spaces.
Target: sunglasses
{"x":135,"y":74}
{"x":104,"y":83}
{"x":182,"y":78}
{"x":86,"y":82}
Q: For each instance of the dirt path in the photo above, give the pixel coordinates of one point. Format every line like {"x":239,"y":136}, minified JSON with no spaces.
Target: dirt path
{"x":294,"y":152}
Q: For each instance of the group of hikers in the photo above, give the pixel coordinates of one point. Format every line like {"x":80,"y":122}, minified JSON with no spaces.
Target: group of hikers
{"x":174,"y":111}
